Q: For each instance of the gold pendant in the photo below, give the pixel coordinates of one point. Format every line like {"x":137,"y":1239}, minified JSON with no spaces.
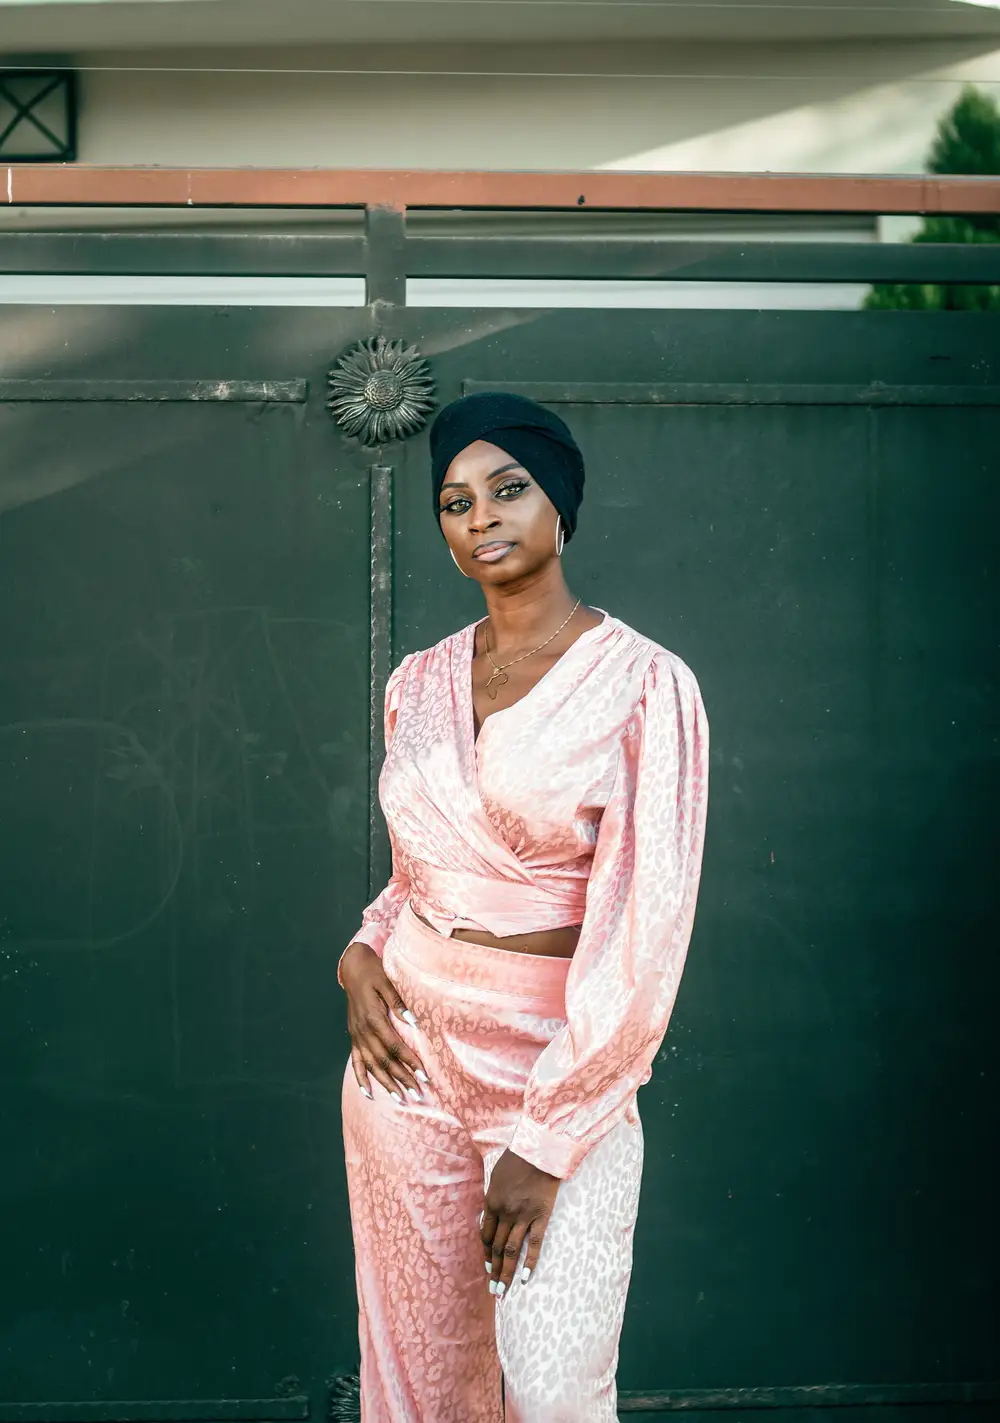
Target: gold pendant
{"x":503,"y":678}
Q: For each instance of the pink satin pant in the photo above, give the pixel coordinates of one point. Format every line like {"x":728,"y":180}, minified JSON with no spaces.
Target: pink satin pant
{"x":433,"y":1339}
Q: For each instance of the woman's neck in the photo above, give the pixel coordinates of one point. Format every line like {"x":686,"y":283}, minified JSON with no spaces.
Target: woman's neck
{"x":522,"y":617}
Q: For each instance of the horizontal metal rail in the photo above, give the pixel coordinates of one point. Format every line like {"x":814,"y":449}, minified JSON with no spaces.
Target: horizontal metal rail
{"x":283,"y":392}
{"x":659,"y":260}
{"x":78,"y":185}
{"x":694,"y":1400}
{"x":175,"y":1410}
{"x":722,"y":393}
{"x":227,"y":392}
{"x":186,"y":254}
{"x":182,"y":254}
{"x":833,"y":1395}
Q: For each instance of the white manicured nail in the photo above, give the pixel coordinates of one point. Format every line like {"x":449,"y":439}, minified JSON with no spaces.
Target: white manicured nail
{"x":421,"y":1076}
{"x":525,"y":1275}
{"x":493,"y":1287}
{"x":412,"y":1093}
{"x":489,"y":1268}
{"x":409,"y":1018}
{"x":368,"y":1094}
{"x":501,"y":1290}
{"x":482,"y":1217}
{"x":396,"y":1096}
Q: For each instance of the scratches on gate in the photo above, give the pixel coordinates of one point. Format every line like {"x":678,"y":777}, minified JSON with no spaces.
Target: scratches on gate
{"x":130,"y":762}
{"x":203,"y":752}
{"x":198,"y":816}
{"x":289,"y":701}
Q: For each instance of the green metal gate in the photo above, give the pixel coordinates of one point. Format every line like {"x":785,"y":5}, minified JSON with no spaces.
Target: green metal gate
{"x":203,"y":584}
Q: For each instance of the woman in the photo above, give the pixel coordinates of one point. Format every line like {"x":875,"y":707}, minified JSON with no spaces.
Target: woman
{"x":545,"y":788}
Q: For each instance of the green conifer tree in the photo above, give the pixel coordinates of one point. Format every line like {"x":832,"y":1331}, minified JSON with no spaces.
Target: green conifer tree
{"x":967,"y":142}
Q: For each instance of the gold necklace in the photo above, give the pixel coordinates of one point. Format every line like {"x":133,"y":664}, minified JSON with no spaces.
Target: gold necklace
{"x":500,"y":672}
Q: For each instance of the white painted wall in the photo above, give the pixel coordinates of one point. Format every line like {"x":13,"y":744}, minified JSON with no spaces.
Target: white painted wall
{"x":832,"y":107}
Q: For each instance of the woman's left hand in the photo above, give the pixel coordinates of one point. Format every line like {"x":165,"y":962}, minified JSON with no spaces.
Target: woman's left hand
{"x":518,"y":1206}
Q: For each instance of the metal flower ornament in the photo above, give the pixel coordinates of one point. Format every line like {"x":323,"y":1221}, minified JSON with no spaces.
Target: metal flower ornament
{"x":381,"y":390}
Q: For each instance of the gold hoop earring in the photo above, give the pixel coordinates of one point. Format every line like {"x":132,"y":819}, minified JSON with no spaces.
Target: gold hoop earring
{"x":560,"y":537}
{"x":458,"y":565}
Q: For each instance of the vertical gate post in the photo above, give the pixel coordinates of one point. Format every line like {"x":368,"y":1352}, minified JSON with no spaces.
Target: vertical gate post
{"x":385,"y":284}
{"x":380,"y":644}
{"x":385,"y":250}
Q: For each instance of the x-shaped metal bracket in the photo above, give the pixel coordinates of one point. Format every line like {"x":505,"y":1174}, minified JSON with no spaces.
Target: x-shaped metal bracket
{"x":49,"y":81}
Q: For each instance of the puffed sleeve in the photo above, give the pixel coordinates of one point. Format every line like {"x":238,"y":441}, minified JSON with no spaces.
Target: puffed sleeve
{"x":377,"y":920}
{"x":640,"y":911}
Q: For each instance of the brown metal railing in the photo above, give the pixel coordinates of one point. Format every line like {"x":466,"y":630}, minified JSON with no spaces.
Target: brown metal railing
{"x":80,"y":185}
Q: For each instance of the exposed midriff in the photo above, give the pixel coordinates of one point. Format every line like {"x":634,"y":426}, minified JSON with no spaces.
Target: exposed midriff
{"x":550,"y":943}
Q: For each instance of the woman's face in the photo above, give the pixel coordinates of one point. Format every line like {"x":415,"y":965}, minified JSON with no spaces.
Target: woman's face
{"x":498,"y":522}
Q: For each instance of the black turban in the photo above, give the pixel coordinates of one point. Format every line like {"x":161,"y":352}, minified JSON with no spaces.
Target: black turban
{"x":529,"y":433}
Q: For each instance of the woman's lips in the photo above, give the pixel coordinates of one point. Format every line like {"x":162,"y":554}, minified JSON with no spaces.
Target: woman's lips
{"x":492,"y":553}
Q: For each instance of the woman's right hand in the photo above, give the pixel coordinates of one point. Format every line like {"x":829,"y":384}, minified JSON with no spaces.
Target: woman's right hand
{"x":377,"y":1050}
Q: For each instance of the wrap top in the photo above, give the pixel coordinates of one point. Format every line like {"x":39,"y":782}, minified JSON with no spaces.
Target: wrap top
{"x":582,"y":803}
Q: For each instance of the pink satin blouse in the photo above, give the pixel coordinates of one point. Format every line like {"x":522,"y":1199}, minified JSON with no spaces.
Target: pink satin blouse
{"x":583,"y":803}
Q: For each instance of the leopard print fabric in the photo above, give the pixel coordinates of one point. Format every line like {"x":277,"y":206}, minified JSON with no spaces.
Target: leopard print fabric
{"x":433,"y":1340}
{"x":585,"y":800}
